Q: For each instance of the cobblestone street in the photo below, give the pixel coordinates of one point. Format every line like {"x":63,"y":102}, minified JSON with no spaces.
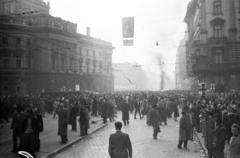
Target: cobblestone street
{"x":144,"y":146}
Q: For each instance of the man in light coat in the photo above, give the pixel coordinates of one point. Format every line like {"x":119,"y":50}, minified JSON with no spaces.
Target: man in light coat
{"x":120,"y":145}
{"x":234,"y":147}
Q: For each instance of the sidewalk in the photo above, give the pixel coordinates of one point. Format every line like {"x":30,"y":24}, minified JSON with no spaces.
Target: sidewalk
{"x":50,"y":141}
{"x":201,"y":141}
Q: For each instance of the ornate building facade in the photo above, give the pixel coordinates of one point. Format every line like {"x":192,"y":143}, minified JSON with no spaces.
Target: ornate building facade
{"x":213,"y":46}
{"x":41,"y":53}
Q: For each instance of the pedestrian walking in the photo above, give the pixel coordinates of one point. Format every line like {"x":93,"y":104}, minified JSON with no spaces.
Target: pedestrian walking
{"x":219,"y":140}
{"x":184,"y":132}
{"x":16,"y":127}
{"x":125,"y":112}
{"x":28,"y":128}
{"x":120,"y":145}
{"x":84,"y":121}
{"x":39,"y":128}
{"x":209,"y":134}
{"x":73,"y":116}
{"x":155,"y":121}
{"x":62,"y":122}
{"x":137,"y":108}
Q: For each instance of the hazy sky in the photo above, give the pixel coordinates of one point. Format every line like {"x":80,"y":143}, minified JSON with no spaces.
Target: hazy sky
{"x":155,"y":20}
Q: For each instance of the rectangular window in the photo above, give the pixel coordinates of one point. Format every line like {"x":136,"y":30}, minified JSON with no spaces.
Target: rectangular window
{"x":88,"y":64}
{"x":28,"y":42}
{"x":18,"y":89}
{"x":239,"y":24}
{"x":218,"y":58}
{"x":94,"y":66}
{"x":18,"y":62}
{"x":18,"y":41}
{"x":53,"y":61}
{"x":29,"y":60}
{"x":218,"y":31}
{"x":80,"y":64}
{"x":4,"y":40}
{"x":87,"y":53}
{"x":62,"y":62}
{"x":5,"y":62}
{"x":217,"y":7}
{"x":80,"y":51}
{"x":72,"y":64}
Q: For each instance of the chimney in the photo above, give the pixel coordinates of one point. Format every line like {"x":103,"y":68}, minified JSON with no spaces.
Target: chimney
{"x":88,"y":30}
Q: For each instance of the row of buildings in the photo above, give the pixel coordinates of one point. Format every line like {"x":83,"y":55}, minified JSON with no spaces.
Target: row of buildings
{"x":41,"y":53}
{"x":212,"y":45}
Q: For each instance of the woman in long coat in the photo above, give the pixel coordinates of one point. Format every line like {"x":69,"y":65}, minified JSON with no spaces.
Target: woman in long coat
{"x":125,"y":112}
{"x":62,"y":123}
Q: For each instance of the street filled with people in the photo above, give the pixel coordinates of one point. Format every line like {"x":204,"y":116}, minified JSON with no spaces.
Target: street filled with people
{"x":215,"y":116}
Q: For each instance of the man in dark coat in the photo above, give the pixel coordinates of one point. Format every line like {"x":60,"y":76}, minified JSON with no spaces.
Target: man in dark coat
{"x":94,"y":107}
{"x":219,"y":139}
{"x":120,"y":145}
{"x":84,"y":120}
{"x":137,"y":107}
{"x":16,"y":127}
{"x":105,"y":110}
{"x":184,"y":131}
{"x":73,"y":116}
{"x":39,"y":128}
{"x":234,"y":148}
{"x":125,"y":112}
{"x":175,"y":109}
{"x":209,"y":134}
{"x":62,"y":122}
{"x":155,"y":121}
{"x":29,"y":125}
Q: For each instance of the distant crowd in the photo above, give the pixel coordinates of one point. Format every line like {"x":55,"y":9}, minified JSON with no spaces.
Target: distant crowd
{"x":216,"y":116}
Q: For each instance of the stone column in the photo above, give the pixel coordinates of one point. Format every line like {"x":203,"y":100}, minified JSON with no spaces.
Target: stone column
{"x":203,"y":25}
{"x":232,"y":21}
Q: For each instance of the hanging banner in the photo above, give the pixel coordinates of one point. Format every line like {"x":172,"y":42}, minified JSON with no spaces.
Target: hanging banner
{"x":128,"y":31}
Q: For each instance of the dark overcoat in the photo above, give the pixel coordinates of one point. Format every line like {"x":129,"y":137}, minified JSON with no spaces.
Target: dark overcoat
{"x":119,"y":145}
{"x":125,"y":111}
{"x":155,"y":118}
{"x":209,"y":133}
{"x":184,"y":129}
{"x":62,"y":122}
{"x":234,"y":147}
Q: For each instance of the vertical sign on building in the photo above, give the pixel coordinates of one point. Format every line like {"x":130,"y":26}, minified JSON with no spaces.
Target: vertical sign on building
{"x":128,"y":31}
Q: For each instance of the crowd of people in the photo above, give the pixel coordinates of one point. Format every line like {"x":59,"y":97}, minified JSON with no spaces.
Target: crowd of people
{"x":216,"y":116}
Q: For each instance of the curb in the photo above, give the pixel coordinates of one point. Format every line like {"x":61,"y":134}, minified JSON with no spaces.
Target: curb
{"x":202,"y":146}
{"x":57,"y":151}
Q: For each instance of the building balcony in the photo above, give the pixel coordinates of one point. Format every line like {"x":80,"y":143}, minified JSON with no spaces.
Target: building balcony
{"x":234,"y":66}
{"x":201,"y":64}
{"x":217,"y":39}
{"x":218,"y":68}
{"x":198,"y":68}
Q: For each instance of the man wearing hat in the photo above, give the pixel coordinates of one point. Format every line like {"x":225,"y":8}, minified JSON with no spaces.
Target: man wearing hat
{"x":234,"y":148}
{"x":120,"y":145}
